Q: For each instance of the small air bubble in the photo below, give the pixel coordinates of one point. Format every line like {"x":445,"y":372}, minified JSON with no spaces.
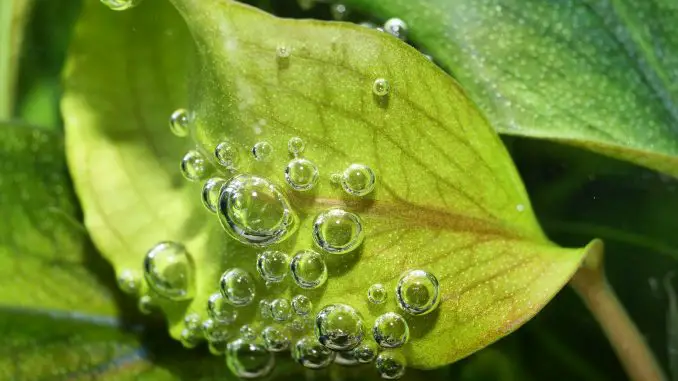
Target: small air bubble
{"x":179,"y":123}
{"x":145,"y":304}
{"x":308,"y":269}
{"x":169,"y":271}
{"x":335,"y":178}
{"x":273,"y":266}
{"x":189,"y":338}
{"x":192,"y":321}
{"x":381,"y":87}
{"x":214,"y":331}
{"x":339,"y":327}
{"x":238,"y":287}
{"x":210,"y":193}
{"x":366,"y":352}
{"x":129,"y":281}
{"x":275,"y":339}
{"x":391,"y":365}
{"x":311,"y":354}
{"x":121,"y":5}
{"x":339,"y":11}
{"x":220,"y":310}
{"x":390,"y":330}
{"x":227,"y":155}
{"x":417,"y":292}
{"x":248,"y":359}
{"x":376,"y":294}
{"x":302,"y":305}
{"x":296,"y":146}
{"x":265,"y":309}
{"x":358,"y":180}
{"x":301,"y":174}
{"x":194,"y":167}
{"x":337,"y":231}
{"x":247,"y":332}
{"x":283,"y":51}
{"x":397,"y":28}
{"x":281,"y":309}
{"x":262,"y":151}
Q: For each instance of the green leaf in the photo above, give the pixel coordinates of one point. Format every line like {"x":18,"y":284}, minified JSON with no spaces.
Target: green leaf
{"x":448,"y":199}
{"x":598,"y":75}
{"x":13,"y":16}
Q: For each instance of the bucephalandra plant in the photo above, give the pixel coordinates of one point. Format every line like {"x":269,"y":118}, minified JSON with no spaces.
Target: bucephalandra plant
{"x":317,"y":195}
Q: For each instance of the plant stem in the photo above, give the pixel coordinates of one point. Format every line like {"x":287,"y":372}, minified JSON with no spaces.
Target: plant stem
{"x":13,"y":17}
{"x":632,"y":350}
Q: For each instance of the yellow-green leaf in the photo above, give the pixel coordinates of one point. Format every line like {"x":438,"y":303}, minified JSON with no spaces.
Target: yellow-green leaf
{"x":448,"y":199}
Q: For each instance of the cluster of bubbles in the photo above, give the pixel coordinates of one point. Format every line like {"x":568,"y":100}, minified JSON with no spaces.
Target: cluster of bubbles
{"x":255,"y":211}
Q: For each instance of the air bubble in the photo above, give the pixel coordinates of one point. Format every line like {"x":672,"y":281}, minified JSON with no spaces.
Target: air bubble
{"x":265,"y":309}
{"x":194,"y":166}
{"x":366,"y":352}
{"x":238,"y":287}
{"x":121,"y":5}
{"x":262,"y":151}
{"x":339,"y":327}
{"x":189,"y":338}
{"x":214,"y":331}
{"x":248,"y":359}
{"x":376,"y":294}
{"x":210,"y":193}
{"x":306,"y":4}
{"x":339,"y":11}
{"x":169,"y":271}
{"x":280,"y":309}
{"x":247,"y":332}
{"x":380,"y":87}
{"x":302,"y":305}
{"x":283,"y":51}
{"x":129,"y":281}
{"x":335,"y":178}
{"x":308,"y":269}
{"x":311,"y":354}
{"x":301,"y":174}
{"x":254,"y":211}
{"x":296,"y":146}
{"x":227,"y":155}
{"x":417,"y":292}
{"x":273,"y":266}
{"x":391,"y":365}
{"x":275,"y":339}
{"x":220,"y":310}
{"x":192,"y":321}
{"x":179,"y":123}
{"x":358,"y":180}
{"x":397,"y":28}
{"x":390,"y":330}
{"x":338,"y":231}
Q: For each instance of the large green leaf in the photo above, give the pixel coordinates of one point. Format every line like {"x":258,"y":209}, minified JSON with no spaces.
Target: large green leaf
{"x":448,"y":198}
{"x":597,"y":74}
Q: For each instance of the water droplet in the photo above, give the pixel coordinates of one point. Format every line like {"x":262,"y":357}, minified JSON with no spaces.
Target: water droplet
{"x":215,"y":331}
{"x":339,"y":11}
{"x":368,"y":25}
{"x":339,"y":327}
{"x":247,"y":332}
{"x":210,"y":193}
{"x":338,"y":231}
{"x":283,"y":51}
{"x":308,"y":269}
{"x":346,"y":358}
{"x":390,"y":330}
{"x":179,"y":123}
{"x":306,"y":4}
{"x":366,"y":352}
{"x":417,"y":292}
{"x":238,"y":287}
{"x":192,"y":321}
{"x":262,"y":151}
{"x":254,"y":211}
{"x":335,"y":179}
{"x":265,"y":309}
{"x":302,"y":305}
{"x":129,"y":281}
{"x":520,"y":207}
{"x":311,"y":354}
{"x":227,"y":155}
{"x":194,"y":167}
{"x":247,"y":359}
{"x":145,"y":304}
{"x":301,"y":174}
{"x":280,"y":309}
{"x":358,"y":180}
{"x":381,"y":87}
{"x":397,"y":28}
{"x":376,"y":294}
{"x":169,"y":271}
{"x":273,"y":266}
{"x":189,"y":338}
{"x":120,"y":5}
{"x":296,"y":146}
{"x":391,"y":365}
{"x":275,"y":339}
{"x":220,"y":310}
